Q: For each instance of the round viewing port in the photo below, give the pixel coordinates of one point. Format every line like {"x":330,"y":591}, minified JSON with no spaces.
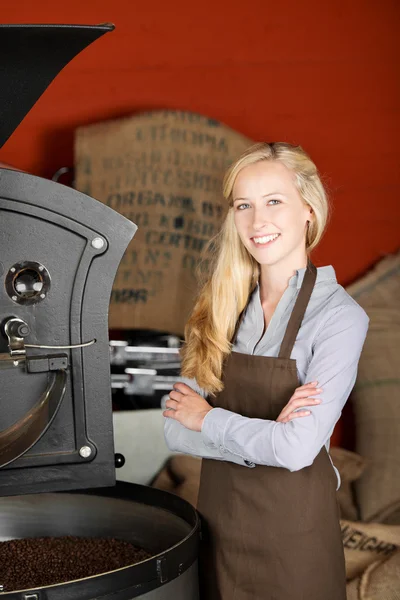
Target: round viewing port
{"x":27,"y":282}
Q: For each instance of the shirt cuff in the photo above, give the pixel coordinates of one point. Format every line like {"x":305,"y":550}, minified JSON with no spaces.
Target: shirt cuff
{"x":214,"y":425}
{"x":213,"y":432}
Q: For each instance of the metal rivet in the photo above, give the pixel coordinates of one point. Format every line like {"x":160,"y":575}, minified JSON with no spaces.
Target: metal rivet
{"x":12,"y":269}
{"x":14,"y":298}
{"x":98,"y":243}
{"x":43,"y":295}
{"x":85,"y":451}
{"x":41,"y":268}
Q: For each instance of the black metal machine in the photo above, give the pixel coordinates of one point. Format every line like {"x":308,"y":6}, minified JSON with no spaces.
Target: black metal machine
{"x":59,"y":253}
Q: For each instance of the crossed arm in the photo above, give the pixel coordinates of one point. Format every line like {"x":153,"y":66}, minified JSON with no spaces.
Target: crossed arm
{"x":292,"y":445}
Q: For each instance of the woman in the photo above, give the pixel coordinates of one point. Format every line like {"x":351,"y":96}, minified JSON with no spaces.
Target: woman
{"x":268,"y":328}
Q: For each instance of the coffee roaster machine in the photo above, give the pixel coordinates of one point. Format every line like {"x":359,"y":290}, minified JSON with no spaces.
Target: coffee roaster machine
{"x":59,"y":253}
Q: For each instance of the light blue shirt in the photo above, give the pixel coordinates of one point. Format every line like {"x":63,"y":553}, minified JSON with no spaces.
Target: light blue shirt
{"x":327,"y":349}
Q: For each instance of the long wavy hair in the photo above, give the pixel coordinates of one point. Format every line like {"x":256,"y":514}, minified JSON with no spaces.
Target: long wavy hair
{"x":232,"y":272}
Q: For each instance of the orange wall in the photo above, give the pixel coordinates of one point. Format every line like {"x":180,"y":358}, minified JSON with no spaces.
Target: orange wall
{"x":322,"y":74}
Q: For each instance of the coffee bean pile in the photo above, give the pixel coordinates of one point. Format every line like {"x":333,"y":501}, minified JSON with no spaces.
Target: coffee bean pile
{"x":35,"y":562}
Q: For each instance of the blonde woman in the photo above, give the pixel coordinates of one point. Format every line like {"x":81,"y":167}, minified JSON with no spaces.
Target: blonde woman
{"x":271,"y":350}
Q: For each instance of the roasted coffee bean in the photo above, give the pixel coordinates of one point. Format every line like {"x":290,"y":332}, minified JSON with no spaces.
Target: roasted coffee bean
{"x":35,"y":562}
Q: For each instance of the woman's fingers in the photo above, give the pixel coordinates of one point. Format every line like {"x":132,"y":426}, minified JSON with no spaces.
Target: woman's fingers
{"x":303,"y":392}
{"x":182,"y":388}
{"x":301,"y":397}
{"x":303,"y":402}
{"x":171,"y":404}
{"x":171,"y":414}
{"x":294,"y":415}
{"x":175,"y":395}
{"x":298,"y":403}
{"x":299,"y":413}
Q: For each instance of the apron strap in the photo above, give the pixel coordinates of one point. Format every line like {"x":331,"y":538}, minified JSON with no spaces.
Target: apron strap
{"x":297,"y":314}
{"x":298,"y":311}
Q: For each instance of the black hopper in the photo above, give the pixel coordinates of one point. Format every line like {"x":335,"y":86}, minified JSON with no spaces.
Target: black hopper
{"x":59,"y":253}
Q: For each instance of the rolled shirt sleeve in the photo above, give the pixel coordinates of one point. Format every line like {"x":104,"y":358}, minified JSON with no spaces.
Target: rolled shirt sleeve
{"x":180,"y":439}
{"x":294,"y":445}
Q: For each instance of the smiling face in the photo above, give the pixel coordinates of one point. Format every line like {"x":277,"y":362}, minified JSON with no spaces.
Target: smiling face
{"x":270,"y":215}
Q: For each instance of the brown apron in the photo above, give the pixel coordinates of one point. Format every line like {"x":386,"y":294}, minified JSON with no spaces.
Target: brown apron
{"x":268,"y":533}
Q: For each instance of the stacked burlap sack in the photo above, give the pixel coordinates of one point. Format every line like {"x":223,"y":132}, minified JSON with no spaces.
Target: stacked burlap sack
{"x":376,"y":395}
{"x":376,"y":404}
{"x":369,"y":495}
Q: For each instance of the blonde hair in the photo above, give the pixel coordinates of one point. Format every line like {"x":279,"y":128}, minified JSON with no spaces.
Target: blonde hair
{"x":233,"y":273}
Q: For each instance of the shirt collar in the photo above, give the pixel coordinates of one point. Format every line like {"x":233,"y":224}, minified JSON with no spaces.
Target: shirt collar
{"x":324,"y":274}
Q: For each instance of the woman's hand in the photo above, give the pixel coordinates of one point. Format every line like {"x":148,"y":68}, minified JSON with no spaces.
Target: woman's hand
{"x":301,"y":397}
{"x":186,"y":406}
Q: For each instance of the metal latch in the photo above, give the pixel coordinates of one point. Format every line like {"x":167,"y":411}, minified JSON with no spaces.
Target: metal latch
{"x":162,"y":569}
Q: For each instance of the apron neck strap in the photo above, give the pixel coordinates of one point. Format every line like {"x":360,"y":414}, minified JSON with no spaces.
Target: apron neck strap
{"x":297,"y":315}
{"x":298,"y":311}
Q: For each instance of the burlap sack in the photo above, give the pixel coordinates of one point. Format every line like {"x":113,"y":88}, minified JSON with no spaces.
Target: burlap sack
{"x":163,"y":170}
{"x":164,"y":481}
{"x":380,"y":581}
{"x":180,"y":475}
{"x":376,"y":395}
{"x":350,"y":466}
{"x":367,"y":543}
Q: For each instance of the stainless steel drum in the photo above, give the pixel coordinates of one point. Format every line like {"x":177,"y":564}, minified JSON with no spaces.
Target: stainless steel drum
{"x":157,"y":521}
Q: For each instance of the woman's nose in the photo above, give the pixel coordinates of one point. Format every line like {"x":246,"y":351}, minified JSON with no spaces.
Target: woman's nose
{"x":260,"y":219}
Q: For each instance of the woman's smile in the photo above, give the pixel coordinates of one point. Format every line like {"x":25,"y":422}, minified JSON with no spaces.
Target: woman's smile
{"x":265,"y":240}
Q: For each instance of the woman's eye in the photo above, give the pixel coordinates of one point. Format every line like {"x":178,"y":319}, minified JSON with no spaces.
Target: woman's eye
{"x":245,"y":204}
